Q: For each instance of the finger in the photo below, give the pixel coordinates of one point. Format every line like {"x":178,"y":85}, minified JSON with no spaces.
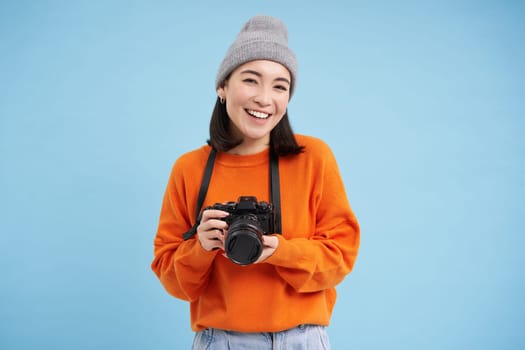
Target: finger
{"x":211,"y":234}
{"x":217,"y":235}
{"x":212,"y":239}
{"x":213,"y":214}
{"x":270,"y":244}
{"x":212,"y":245}
{"x":213,"y":224}
{"x":270,"y":241}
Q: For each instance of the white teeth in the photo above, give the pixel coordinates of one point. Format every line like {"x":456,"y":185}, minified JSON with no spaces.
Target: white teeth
{"x":259,"y":115}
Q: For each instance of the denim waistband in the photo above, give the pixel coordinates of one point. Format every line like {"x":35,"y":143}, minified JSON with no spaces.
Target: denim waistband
{"x":300,"y":337}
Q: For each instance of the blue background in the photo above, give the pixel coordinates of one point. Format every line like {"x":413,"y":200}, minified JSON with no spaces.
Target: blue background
{"x":421,"y":101}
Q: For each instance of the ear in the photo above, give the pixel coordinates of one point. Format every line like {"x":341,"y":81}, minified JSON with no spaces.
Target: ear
{"x":220,"y":92}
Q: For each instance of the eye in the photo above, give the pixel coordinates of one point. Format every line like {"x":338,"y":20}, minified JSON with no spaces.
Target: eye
{"x":281,"y":87}
{"x":250,"y":81}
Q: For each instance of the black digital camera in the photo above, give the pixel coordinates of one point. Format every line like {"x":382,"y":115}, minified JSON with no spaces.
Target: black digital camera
{"x":248,"y":221}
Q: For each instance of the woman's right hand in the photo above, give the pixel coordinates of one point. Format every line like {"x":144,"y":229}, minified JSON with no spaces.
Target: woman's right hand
{"x":212,"y":229}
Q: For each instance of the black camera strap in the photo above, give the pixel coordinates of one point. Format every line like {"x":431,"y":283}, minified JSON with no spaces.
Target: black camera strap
{"x":275,"y":191}
{"x":202,"y":193}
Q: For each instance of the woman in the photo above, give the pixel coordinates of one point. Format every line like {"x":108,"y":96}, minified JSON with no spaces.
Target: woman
{"x":283,"y":297}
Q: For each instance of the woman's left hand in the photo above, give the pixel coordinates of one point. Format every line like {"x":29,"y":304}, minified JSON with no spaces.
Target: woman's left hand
{"x":270,"y":244}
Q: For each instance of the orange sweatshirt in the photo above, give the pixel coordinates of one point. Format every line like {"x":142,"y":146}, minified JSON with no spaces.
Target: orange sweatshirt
{"x":296,"y":285}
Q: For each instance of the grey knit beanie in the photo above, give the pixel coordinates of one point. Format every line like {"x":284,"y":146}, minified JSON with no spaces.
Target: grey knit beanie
{"x":261,"y":38}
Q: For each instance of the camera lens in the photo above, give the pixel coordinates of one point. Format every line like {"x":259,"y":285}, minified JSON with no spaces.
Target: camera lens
{"x":243,"y":243}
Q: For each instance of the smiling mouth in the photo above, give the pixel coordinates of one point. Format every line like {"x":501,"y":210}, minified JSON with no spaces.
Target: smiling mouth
{"x":258,"y":115}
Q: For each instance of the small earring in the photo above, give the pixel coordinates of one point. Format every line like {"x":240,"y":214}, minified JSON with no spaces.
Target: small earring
{"x":221,"y":100}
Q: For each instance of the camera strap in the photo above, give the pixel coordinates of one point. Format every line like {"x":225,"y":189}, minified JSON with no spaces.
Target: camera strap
{"x":275,"y":191}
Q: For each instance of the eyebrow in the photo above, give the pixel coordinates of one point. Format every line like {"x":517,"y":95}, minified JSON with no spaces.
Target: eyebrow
{"x":254,"y":72}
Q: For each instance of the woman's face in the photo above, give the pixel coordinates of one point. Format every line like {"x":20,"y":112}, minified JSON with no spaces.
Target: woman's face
{"x":256,"y":95}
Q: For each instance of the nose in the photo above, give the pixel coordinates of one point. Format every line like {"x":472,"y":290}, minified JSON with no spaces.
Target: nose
{"x":263,"y":97}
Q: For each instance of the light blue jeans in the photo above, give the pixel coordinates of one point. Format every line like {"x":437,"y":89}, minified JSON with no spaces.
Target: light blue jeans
{"x":303,"y":337}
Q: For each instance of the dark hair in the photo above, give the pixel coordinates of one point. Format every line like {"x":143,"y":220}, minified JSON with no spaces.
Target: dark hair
{"x":282,"y":138}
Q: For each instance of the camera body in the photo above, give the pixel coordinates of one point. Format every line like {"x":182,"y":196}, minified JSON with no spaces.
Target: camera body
{"x":248,"y":221}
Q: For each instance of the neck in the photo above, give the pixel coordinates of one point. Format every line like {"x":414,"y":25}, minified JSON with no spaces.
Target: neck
{"x":249,"y":147}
